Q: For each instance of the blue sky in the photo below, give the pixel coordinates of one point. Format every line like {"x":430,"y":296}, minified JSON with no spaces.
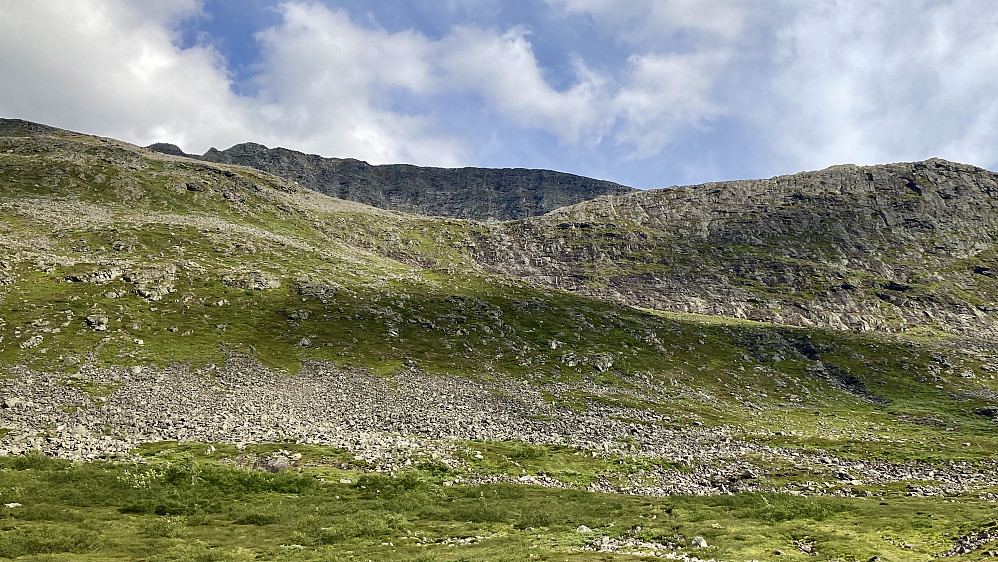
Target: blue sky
{"x":648,"y":93}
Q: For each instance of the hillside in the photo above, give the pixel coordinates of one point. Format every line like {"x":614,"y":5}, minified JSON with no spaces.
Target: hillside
{"x":465,"y":193}
{"x":415,"y":387}
{"x":899,"y":247}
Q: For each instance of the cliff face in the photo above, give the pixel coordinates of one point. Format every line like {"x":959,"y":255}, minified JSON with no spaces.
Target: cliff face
{"x":888,"y":247}
{"x":466,"y":193}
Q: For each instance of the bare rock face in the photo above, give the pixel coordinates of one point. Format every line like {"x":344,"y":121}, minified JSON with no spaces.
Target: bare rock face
{"x":465,"y":193}
{"x":889,"y":247}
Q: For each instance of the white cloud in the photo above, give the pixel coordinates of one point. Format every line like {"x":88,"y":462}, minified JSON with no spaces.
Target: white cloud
{"x":502,"y":69}
{"x":326,"y":83}
{"x":886,"y":81}
{"x":111,"y":67}
{"x":811,"y":83}
{"x":665,"y":93}
{"x":681,"y":49}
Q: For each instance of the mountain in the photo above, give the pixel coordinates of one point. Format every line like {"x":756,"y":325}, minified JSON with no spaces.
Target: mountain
{"x":203,"y":360}
{"x":894,"y":247}
{"x":466,"y":193}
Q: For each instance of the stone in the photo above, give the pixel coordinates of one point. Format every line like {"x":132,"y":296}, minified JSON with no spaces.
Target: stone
{"x":698,"y":542}
{"x":32,"y":342}
{"x":583,"y":529}
{"x":273,"y":464}
{"x":843,"y":475}
{"x":98,"y":322}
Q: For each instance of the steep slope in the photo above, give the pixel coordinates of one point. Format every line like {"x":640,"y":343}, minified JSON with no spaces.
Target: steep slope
{"x":466,"y":193}
{"x":893,"y":247}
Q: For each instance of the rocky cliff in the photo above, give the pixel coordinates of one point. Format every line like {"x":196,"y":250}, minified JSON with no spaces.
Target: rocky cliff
{"x":466,"y":193}
{"x":891,"y":247}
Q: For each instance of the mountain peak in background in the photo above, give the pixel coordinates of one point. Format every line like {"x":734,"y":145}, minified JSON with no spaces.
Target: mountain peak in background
{"x":465,"y":193}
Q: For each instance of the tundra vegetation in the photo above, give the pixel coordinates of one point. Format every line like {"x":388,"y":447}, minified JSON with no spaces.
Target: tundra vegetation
{"x":203,"y":361}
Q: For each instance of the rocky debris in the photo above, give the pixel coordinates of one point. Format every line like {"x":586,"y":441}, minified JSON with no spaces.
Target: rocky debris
{"x":277,"y":462}
{"x":32,"y":342}
{"x":467,"y":193}
{"x":636,"y":547}
{"x":987,"y":412}
{"x":99,"y":277}
{"x":252,"y":280}
{"x":98,"y":322}
{"x":390,"y":424}
{"x":972,"y":542}
{"x":806,"y":546}
{"x":311,"y":288}
{"x":153,"y":282}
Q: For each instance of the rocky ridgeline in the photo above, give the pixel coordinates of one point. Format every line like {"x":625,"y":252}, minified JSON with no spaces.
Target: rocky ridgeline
{"x":465,"y":193}
{"x":889,"y":248}
{"x":411,"y":418}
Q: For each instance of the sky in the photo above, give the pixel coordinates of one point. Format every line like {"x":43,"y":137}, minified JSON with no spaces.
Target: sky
{"x":647,"y":93}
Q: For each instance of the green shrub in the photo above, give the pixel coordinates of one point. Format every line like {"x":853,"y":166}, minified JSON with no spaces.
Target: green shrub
{"x":47,"y":539}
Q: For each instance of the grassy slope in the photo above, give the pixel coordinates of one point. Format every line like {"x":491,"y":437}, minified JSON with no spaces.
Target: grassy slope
{"x":377,"y":290}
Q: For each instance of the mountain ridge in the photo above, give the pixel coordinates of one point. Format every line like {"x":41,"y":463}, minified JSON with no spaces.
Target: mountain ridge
{"x":890,"y":247}
{"x":893,"y":247}
{"x":467,"y":193}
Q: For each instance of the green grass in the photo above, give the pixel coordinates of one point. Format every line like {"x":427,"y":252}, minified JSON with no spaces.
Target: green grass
{"x":199,"y":509}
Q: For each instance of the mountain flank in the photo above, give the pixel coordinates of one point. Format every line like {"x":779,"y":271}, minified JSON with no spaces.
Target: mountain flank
{"x":207,"y":361}
{"x":896,"y":247}
{"x":485,"y":194}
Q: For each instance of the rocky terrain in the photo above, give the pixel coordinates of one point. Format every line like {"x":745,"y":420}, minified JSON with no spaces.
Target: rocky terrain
{"x":394,"y":424}
{"x":485,"y":194}
{"x":775,"y":346}
{"x":887,"y":248}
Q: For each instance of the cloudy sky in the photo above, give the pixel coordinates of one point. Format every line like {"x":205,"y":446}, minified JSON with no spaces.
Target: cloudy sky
{"x":648,"y":93}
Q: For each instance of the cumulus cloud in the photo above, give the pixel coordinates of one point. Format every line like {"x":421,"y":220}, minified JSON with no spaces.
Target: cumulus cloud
{"x":886,"y":81}
{"x":665,"y":93}
{"x":502,"y":68}
{"x":112,"y":67}
{"x":809,"y":84}
{"x":325,"y":85}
